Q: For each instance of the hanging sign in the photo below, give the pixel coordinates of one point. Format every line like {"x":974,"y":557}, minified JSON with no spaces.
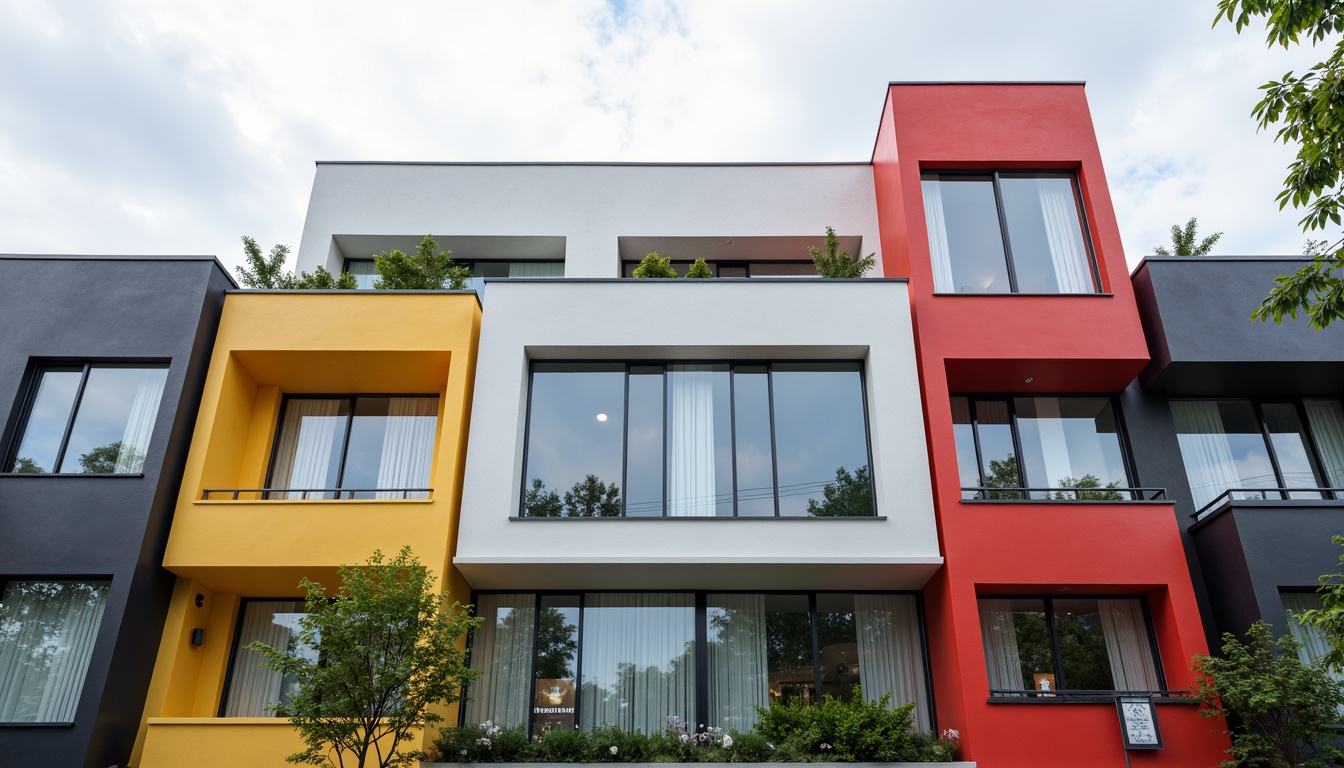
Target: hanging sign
{"x":1138,"y":722}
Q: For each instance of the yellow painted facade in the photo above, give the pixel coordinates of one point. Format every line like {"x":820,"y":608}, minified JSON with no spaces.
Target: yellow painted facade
{"x":223,"y":550}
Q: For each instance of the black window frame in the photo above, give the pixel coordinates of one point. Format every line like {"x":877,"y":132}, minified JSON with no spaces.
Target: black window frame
{"x":237,"y":635}
{"x":28,"y":399}
{"x":1023,"y":493}
{"x":681,"y":265}
{"x":1282,"y":491}
{"x":351,"y":398}
{"x":1060,"y":692}
{"x":468,"y":263}
{"x":934,"y":174}
{"x":858,"y":365}
{"x":702,"y":638}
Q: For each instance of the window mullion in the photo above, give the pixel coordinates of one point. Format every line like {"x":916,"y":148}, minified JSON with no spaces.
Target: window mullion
{"x":774,"y":449}
{"x":732,"y":428}
{"x":1060,"y":683}
{"x":345,"y":446}
{"x":816,"y":649}
{"x":701,"y":658}
{"x":1313,"y":448}
{"x":532,"y":676}
{"x":1020,"y":460}
{"x":625,"y":444}
{"x":70,"y":421}
{"x":1003,"y":229}
{"x":979,"y":458}
{"x":1269,"y":447}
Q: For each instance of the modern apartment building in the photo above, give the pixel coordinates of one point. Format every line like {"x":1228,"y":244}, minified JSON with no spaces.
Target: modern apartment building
{"x":1000,"y":476}
{"x":101,"y":365}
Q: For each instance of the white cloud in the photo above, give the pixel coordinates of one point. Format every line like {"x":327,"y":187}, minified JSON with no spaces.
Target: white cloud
{"x":150,"y":126}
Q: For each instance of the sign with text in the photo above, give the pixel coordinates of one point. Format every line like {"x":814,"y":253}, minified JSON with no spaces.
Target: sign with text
{"x":1138,"y":722}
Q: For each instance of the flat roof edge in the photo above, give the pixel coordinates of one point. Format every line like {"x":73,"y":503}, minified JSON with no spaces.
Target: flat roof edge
{"x":600,"y":164}
{"x":987,"y":82}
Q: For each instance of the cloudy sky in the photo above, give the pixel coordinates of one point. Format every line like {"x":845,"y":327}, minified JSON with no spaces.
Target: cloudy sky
{"x":154,"y":126}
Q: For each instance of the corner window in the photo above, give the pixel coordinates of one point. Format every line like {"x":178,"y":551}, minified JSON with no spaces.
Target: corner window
{"x":631,"y":659}
{"x":254,"y":689}
{"x":362,"y":447}
{"x":1007,"y":233}
{"x":1043,"y":645}
{"x":697,"y":440}
{"x":1048,"y":448}
{"x":47,"y":634}
{"x":91,"y":418}
{"x":1252,"y":449}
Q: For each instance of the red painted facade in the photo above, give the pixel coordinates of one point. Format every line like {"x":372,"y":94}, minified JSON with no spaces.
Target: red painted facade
{"x":1029,"y":344}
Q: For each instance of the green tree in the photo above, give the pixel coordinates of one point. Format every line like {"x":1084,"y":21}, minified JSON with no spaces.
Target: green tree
{"x":1309,"y":112}
{"x":699,"y":269}
{"x":103,"y":459}
{"x":834,"y":262}
{"x":262,"y":271}
{"x":539,"y":502}
{"x":1183,"y":241}
{"x":849,"y":496}
{"x":1284,"y":711}
{"x":24,"y":466}
{"x":1087,"y":481}
{"x":653,"y":265}
{"x":423,"y":270}
{"x":1003,"y":474}
{"x":1329,"y":618}
{"x":590,"y":497}
{"x":268,"y":272}
{"x":389,"y":651}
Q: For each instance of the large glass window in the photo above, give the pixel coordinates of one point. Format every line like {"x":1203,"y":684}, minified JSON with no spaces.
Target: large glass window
{"x":47,"y":633}
{"x":255,"y":690}
{"x":697,"y":440}
{"x":1047,"y":644}
{"x":1313,"y":644}
{"x":738,"y":268}
{"x":366,"y":273}
{"x":1260,"y":449}
{"x":1007,"y":233}
{"x":354,"y":448}
{"x":640,"y":660}
{"x":93,"y":419}
{"x":1061,"y":448}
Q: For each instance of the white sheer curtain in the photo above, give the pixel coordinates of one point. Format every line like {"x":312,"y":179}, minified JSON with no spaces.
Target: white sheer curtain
{"x":1127,"y":646}
{"x":536,"y":269}
{"x":739,"y":678}
{"x":140,"y":422}
{"x":638,"y":660}
{"x":1063,"y":231}
{"x":408,"y":445}
{"x":891,"y":657}
{"x":690,"y":456}
{"x":307,"y":439}
{"x":502,"y":650}
{"x":936,"y":222}
{"x":47,"y":634}
{"x":252,"y":686}
{"x":1000,"y":641}
{"x":1327,"y":426}
{"x":1209,"y":463}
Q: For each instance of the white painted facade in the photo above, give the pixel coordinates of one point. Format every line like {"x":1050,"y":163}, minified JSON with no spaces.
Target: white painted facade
{"x":589,"y":215}
{"x":666,"y":320}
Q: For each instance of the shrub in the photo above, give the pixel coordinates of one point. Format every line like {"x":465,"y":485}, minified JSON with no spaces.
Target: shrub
{"x":653,"y":265}
{"x":562,"y":745}
{"x":1285,"y":709}
{"x":699,"y":269}
{"x":834,"y":262}
{"x":854,"y":730}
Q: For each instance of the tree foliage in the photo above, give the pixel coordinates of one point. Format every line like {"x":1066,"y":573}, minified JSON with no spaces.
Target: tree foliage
{"x":389,"y":651}
{"x":539,"y":502}
{"x":699,"y":269}
{"x":1183,"y":241}
{"x":1308,"y":110}
{"x":268,"y":271}
{"x":653,"y":265}
{"x":590,"y":497}
{"x":102,"y":459}
{"x":423,"y":270}
{"x":834,"y":262}
{"x":1329,"y":618}
{"x":851,"y":495}
{"x":1284,"y":710}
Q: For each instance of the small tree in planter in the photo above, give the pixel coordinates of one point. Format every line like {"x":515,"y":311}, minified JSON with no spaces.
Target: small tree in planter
{"x":268,"y":271}
{"x":653,"y":265}
{"x":837,"y":263}
{"x":389,"y":652}
{"x":422,"y":270}
{"x":699,"y":269}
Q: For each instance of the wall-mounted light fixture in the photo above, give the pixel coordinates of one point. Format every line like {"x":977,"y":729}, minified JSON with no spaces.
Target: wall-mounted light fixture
{"x":200,"y":600}
{"x":198,"y":637}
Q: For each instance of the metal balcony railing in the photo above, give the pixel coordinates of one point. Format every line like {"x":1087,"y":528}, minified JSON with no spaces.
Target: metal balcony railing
{"x":1018,"y":693}
{"x":315,"y":494}
{"x":988,"y":493}
{"x":1268,"y":494}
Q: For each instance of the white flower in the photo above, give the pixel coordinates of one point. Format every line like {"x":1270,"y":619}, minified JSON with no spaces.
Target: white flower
{"x":685,"y":738}
{"x":483,"y":742}
{"x":951,"y":734}
{"x":463,"y":753}
{"x":613,"y":749}
{"x":825,"y":746}
{"x":727,"y":742}
{"x":768,"y":744}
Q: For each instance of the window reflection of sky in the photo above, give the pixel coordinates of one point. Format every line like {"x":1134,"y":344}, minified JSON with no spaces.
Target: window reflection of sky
{"x":819,"y":427}
{"x":50,"y":413}
{"x":565,"y":440}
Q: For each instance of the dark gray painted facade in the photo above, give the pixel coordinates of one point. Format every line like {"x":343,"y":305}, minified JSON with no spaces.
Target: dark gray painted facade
{"x":99,"y":526}
{"x":1196,"y":314}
